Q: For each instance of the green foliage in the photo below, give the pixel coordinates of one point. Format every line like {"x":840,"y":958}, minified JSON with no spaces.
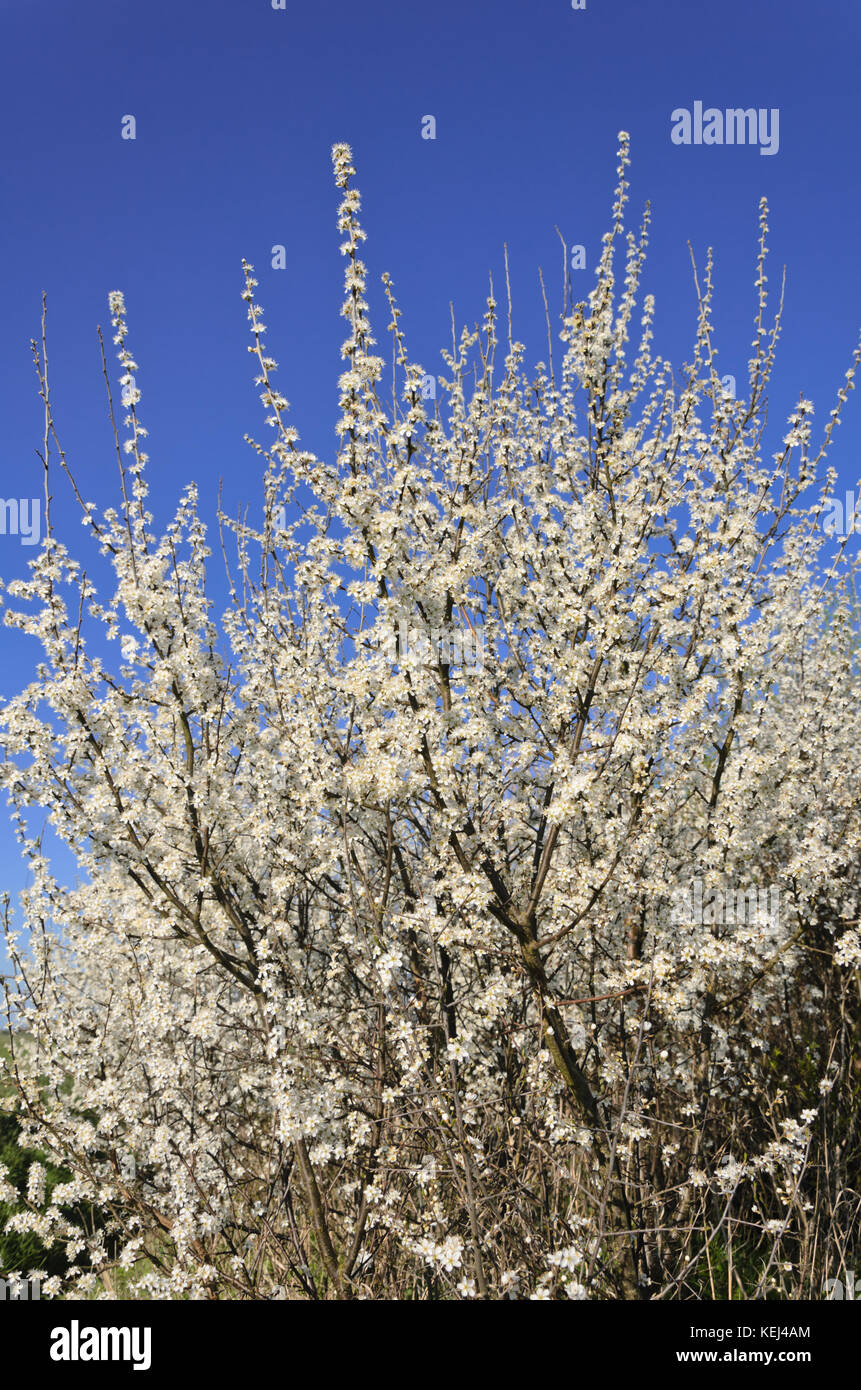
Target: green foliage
{"x":25,"y":1251}
{"x":711,"y":1278}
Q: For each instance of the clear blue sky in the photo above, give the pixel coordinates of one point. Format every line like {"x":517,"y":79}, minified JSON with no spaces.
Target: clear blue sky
{"x":236,"y":108}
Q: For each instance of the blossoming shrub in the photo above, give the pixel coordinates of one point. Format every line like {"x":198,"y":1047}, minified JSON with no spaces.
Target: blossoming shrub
{"x":377,"y":978}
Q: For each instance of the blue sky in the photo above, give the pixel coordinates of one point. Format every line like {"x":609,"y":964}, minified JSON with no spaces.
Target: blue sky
{"x":237,"y":106}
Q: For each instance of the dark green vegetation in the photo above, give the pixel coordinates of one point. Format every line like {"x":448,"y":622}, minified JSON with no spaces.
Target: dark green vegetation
{"x":22,"y":1252}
